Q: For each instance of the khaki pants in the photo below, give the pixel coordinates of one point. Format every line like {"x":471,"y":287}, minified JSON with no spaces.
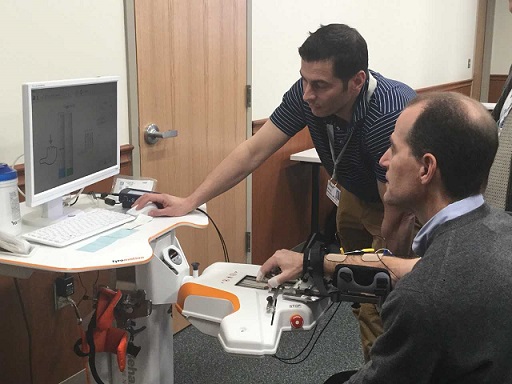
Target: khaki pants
{"x":359,"y":226}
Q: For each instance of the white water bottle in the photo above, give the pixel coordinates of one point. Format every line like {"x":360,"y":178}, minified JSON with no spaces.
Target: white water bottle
{"x":10,"y":216}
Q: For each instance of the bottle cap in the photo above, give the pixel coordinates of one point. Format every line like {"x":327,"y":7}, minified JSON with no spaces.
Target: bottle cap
{"x":7,"y":173}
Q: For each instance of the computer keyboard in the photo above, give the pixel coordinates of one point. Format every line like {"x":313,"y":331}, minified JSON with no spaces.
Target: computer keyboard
{"x":76,"y":228}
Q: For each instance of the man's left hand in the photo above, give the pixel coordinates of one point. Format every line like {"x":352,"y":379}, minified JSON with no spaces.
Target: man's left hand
{"x":289,"y":262}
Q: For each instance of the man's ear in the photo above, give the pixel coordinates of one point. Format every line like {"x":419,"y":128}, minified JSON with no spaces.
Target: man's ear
{"x":358,"y":80}
{"x":428,"y":168}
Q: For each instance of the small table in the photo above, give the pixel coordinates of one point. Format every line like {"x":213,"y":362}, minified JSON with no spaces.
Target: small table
{"x":310,"y":156}
{"x":144,"y":248}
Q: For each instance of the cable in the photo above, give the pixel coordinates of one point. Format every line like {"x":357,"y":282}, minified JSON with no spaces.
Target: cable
{"x":67,"y":201}
{"x":27,"y":327}
{"x":286,"y":360}
{"x":85,"y":296}
{"x":16,"y":159}
{"x":224,"y":247}
{"x":13,"y":164}
{"x":97,"y":278}
{"x":105,"y":197}
{"x":379,"y":253}
{"x":384,"y":252}
{"x":102,"y":196}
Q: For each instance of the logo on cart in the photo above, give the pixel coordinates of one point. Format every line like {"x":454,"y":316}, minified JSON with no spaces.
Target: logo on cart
{"x":132,"y":370}
{"x":117,"y":261}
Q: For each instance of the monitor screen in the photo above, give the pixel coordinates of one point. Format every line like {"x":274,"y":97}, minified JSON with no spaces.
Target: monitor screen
{"x":71,"y":138}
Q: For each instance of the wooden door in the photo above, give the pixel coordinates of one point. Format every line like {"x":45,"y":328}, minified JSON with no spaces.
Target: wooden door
{"x":191,"y":68}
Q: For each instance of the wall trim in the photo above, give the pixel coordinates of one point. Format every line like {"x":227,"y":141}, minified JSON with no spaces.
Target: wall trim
{"x":463,"y":86}
{"x":496,"y":84}
{"x":498,"y":77}
{"x":257,"y":124}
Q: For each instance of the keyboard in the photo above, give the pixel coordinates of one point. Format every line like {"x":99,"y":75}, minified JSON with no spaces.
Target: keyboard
{"x":76,"y":228}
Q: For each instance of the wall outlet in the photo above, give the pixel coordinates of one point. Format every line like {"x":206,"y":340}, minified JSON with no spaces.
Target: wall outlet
{"x":64,"y":286}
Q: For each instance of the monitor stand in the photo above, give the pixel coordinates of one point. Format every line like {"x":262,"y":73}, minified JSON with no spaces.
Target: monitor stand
{"x":48,"y":213}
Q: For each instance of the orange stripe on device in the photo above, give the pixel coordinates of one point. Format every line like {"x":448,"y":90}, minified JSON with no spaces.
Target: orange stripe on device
{"x":189,"y":289}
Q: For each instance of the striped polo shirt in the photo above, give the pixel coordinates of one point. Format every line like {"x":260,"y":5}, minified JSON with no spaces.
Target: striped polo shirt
{"x":372,"y":123}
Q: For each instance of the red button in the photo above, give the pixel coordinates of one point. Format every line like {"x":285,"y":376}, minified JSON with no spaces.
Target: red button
{"x":296,"y":321}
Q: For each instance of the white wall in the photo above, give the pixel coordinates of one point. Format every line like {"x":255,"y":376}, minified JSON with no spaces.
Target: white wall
{"x":501,"y":56}
{"x":56,"y":39}
{"x":420,"y":42}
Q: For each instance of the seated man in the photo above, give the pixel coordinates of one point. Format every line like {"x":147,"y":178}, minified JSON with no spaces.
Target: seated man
{"x":448,"y":318}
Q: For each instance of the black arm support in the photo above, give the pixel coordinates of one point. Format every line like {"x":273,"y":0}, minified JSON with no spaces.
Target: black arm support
{"x":352,"y":283}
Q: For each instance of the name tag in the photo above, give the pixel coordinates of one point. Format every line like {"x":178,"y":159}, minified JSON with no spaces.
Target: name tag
{"x":333,"y":192}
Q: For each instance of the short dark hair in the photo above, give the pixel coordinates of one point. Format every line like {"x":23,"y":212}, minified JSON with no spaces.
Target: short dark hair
{"x":340,"y":43}
{"x":462,"y":136}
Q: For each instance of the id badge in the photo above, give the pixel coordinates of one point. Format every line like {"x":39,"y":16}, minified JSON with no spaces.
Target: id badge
{"x":333,"y":192}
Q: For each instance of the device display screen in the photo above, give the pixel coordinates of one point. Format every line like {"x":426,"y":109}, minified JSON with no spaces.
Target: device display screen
{"x":74,"y":132}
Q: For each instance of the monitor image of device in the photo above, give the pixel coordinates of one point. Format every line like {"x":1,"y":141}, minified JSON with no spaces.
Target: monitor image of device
{"x":71,"y":140}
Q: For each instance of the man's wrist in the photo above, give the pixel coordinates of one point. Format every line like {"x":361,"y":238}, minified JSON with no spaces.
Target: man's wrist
{"x":305,"y":262}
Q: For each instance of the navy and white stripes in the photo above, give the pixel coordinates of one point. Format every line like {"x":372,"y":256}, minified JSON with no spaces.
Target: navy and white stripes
{"x":373,"y":122}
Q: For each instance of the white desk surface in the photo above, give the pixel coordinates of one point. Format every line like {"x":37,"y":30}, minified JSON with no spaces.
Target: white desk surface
{"x":489,"y":106}
{"x":308,"y":156}
{"x":133,"y":249}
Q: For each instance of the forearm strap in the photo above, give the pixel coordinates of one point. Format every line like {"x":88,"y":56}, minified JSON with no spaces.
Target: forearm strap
{"x":313,"y":266}
{"x":361,"y":284}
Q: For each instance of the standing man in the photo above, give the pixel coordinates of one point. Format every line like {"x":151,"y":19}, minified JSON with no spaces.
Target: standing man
{"x":445,"y":321}
{"x":350,"y":112}
{"x":496,"y":194}
{"x":504,"y":103}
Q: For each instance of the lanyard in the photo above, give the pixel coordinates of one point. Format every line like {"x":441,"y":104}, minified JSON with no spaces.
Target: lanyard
{"x":372,"y":84}
{"x":336,"y":161}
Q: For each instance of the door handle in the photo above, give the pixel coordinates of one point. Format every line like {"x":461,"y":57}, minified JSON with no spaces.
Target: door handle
{"x":152,"y":134}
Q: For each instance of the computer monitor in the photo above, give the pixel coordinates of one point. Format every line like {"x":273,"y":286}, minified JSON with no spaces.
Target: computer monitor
{"x":71,"y":140}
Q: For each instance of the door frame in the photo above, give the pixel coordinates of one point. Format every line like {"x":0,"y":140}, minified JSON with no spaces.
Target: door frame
{"x":248,"y":132}
{"x":483,"y":49}
{"x":132,"y":81}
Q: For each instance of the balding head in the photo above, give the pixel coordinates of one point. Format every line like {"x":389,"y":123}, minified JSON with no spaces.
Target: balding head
{"x":462,"y":136}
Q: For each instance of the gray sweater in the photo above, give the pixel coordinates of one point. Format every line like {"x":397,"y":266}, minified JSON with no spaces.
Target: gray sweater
{"x":450,"y":319}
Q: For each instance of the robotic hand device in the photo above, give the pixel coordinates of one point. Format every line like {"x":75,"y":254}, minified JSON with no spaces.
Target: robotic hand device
{"x":245,"y":315}
{"x":248,"y":317}
{"x":225,"y":301}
